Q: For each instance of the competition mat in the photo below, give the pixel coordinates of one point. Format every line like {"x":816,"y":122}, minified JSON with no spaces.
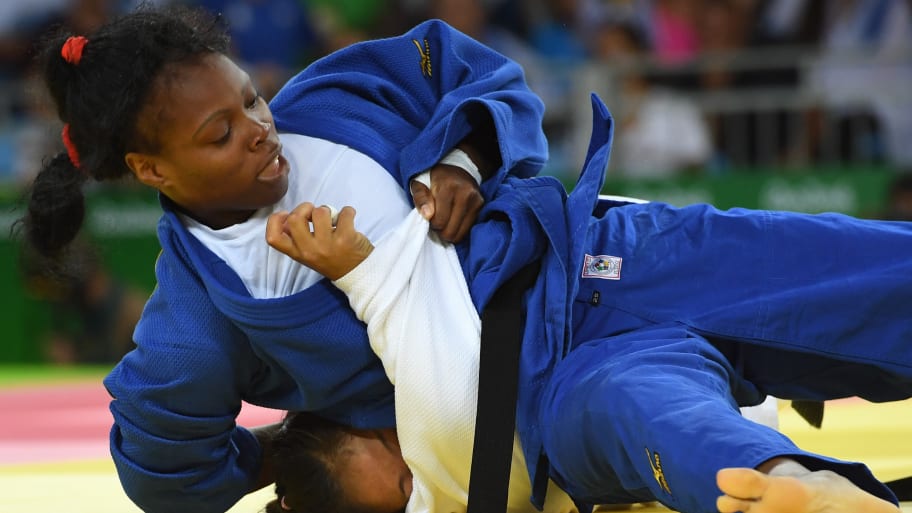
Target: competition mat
{"x":54,"y":454}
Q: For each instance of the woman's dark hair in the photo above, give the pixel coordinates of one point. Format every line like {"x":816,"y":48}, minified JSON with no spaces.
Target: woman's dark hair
{"x":99,"y":98}
{"x":306,"y":457}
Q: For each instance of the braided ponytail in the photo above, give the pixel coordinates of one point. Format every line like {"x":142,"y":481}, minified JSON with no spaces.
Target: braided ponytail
{"x":56,"y":206}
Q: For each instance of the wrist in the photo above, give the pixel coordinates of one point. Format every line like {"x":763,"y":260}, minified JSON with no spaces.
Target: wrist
{"x":462,"y":160}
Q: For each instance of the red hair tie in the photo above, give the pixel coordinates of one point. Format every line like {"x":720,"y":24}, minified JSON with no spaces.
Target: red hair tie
{"x":70,"y":147}
{"x":72,"y":49}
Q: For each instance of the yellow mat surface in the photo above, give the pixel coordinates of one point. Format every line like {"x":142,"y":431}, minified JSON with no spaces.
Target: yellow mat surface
{"x":876,"y":434}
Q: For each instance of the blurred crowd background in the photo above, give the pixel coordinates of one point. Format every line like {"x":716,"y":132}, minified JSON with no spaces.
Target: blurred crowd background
{"x":791,"y":104}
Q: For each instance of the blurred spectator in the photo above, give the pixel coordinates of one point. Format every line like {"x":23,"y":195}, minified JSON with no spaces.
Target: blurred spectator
{"x":512,"y":15}
{"x":28,"y":136}
{"x":637,"y":13}
{"x":93,"y":314}
{"x":787,"y":23}
{"x":674,"y":30}
{"x":26,"y":128}
{"x":84,"y":16}
{"x":556,"y":32}
{"x":20,"y":22}
{"x":752,"y":134}
{"x":659,"y":133}
{"x":271,"y":39}
{"x":722,"y":33}
{"x":864,"y":78}
{"x":474,"y":18}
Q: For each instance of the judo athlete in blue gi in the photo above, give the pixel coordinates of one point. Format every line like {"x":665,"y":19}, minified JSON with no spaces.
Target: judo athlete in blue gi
{"x":643,"y":317}
{"x":152,"y":95}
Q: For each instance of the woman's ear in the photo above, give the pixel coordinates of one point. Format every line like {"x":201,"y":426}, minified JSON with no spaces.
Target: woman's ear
{"x":145,"y":169}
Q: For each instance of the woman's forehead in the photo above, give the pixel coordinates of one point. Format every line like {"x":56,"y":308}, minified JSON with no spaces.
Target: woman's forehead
{"x":189,"y":91}
{"x":200,"y":77}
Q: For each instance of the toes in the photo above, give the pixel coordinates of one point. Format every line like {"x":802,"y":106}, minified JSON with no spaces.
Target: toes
{"x":744,"y":483}
{"x":727,"y":504}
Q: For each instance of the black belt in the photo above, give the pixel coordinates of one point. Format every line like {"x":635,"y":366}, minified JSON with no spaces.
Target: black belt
{"x":498,"y":383}
{"x":902,"y":488}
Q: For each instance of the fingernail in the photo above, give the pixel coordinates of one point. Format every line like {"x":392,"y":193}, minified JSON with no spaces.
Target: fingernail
{"x":426,"y":212}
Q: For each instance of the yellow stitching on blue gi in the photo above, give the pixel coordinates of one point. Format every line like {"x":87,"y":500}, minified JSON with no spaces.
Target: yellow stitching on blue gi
{"x":656,"y":463}
{"x":425,"y":54}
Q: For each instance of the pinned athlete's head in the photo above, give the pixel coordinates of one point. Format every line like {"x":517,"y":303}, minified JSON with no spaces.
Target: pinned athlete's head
{"x":322,"y":466}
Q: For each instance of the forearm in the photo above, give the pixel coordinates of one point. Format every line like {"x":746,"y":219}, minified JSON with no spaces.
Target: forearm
{"x":481,"y":145}
{"x":174,"y":442}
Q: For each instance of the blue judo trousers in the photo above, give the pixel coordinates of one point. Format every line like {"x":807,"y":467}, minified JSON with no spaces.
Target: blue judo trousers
{"x":683,"y":314}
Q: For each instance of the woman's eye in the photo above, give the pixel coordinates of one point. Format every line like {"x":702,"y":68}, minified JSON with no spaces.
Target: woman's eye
{"x":224,"y":139}
{"x":253,"y":103}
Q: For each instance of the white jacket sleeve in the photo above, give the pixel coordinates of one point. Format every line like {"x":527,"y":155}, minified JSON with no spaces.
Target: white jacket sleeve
{"x":422,"y":324}
{"x":412,"y":295}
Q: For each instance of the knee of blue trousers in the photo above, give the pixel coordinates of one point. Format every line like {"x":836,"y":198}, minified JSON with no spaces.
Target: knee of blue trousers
{"x":610,"y":411}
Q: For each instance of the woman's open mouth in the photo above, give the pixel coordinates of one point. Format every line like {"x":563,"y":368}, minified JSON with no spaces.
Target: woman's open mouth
{"x":276,"y":168}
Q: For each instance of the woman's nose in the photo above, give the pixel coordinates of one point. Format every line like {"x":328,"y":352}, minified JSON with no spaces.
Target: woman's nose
{"x":262,"y":132}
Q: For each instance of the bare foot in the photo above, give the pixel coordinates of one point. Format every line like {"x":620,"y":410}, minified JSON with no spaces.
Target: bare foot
{"x":751,"y":491}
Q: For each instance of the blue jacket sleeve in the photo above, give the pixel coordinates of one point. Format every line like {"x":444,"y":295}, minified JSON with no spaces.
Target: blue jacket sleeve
{"x":174,"y":442}
{"x":407,"y":100}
